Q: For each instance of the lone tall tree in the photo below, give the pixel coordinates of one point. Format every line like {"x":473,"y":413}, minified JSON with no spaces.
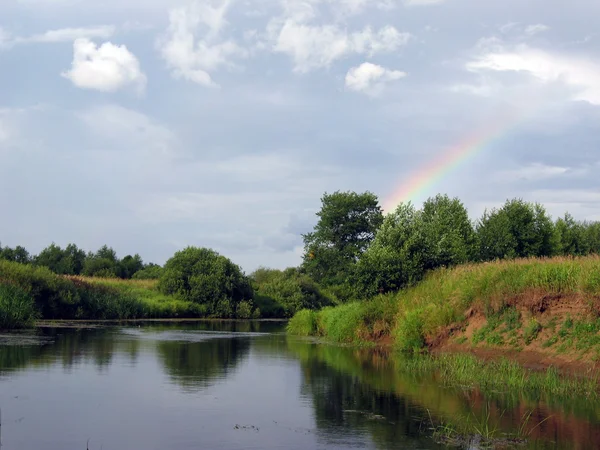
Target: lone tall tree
{"x":347,"y":224}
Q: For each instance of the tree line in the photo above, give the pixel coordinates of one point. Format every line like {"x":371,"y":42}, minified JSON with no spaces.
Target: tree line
{"x":72,"y":260}
{"x":354,"y":252}
{"x":357,"y":252}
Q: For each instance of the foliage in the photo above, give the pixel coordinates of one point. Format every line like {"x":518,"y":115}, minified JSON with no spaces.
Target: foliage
{"x":411,"y":241}
{"x":69,"y":261}
{"x":149,"y":272}
{"x":347,"y":224}
{"x":202,"y":276}
{"x":18,"y":254}
{"x":289,"y":288}
{"x":17,"y":308}
{"x":517,"y":230}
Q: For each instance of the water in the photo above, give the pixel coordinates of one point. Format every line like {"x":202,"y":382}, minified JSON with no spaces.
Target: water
{"x":223,"y":385}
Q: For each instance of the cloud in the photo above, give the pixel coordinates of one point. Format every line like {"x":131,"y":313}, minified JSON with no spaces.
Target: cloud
{"x":532,"y":30}
{"x":192,"y":57}
{"x":422,"y":2}
{"x":107,"y":68}
{"x":129,"y":130}
{"x":371,"y":78}
{"x":535,"y":172}
{"x":5,"y":38}
{"x":313,"y":47}
{"x":70,"y":34}
{"x":580,"y":75}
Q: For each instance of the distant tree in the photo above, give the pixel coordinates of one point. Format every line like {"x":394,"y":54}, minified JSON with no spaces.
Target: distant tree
{"x":103,"y":263}
{"x":64,"y":262}
{"x":347,"y":224}
{"x":150,"y":271}
{"x":204,"y":276}
{"x":129,"y":265}
{"x":106,"y":252}
{"x":572,"y":237}
{"x":18,"y":254}
{"x":518,"y":229}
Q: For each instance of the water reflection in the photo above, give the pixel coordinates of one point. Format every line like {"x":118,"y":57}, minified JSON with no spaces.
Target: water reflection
{"x":195,"y":365}
{"x":163,"y":380}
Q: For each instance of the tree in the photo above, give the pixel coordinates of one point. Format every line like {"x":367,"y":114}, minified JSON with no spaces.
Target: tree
{"x":150,"y":271}
{"x":64,"y":262}
{"x":347,"y":225}
{"x":396,"y":256}
{"x":18,"y":254}
{"x":448,"y":233}
{"x":572,"y":237}
{"x":129,"y":265}
{"x":517,"y":230}
{"x":204,"y":276}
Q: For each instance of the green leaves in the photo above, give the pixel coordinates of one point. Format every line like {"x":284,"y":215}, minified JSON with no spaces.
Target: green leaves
{"x":203,"y":276}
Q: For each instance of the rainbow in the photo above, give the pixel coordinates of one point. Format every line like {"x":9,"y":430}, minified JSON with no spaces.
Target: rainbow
{"x":449,"y":160}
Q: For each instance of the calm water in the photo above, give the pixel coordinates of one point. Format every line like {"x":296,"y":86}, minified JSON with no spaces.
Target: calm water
{"x":226,"y":385}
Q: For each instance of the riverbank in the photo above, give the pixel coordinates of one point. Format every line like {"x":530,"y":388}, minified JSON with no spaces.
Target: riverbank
{"x":545,"y":309}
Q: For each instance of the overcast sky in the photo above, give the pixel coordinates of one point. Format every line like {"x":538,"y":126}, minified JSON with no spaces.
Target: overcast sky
{"x":150,"y":125}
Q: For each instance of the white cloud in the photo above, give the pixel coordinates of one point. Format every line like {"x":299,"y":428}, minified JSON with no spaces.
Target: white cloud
{"x":535,"y":29}
{"x":534,"y":172}
{"x":107,"y":68}
{"x":422,"y":2}
{"x":313,"y":47}
{"x":191,"y":57}
{"x":582,"y":76}
{"x":70,"y":34}
{"x":371,"y":78}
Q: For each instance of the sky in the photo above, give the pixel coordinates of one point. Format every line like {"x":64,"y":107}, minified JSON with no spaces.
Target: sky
{"x":151,"y":125}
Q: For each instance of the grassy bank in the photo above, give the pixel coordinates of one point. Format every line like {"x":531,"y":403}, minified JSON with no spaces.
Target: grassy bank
{"x":28,"y":293}
{"x":551,"y":306}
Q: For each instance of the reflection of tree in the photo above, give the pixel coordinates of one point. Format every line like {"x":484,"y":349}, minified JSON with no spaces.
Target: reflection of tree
{"x":68,"y":347}
{"x":342,"y":400}
{"x":196,"y":365}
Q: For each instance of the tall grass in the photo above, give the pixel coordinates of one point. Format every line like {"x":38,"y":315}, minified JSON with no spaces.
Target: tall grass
{"x":416,"y":315}
{"x":17,"y":308}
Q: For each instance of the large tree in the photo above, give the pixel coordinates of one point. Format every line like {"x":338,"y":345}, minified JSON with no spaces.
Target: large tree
{"x":347,"y":224}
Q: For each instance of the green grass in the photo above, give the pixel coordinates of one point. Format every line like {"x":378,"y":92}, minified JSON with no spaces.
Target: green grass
{"x":416,"y":316}
{"x":502,"y":375}
{"x":17,"y":308}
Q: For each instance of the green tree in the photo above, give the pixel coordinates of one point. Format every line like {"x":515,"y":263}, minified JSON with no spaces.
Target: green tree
{"x":517,"y":230}
{"x":396,"y":256}
{"x":204,"y":276}
{"x":448,"y":233}
{"x":572,"y":236}
{"x":347,"y":224}
{"x":64,"y":262}
{"x":150,"y":271}
{"x":18,"y":254}
{"x":129,"y":265}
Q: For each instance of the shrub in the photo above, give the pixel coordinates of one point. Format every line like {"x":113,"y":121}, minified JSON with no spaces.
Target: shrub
{"x":290,"y":289}
{"x":201,"y":275}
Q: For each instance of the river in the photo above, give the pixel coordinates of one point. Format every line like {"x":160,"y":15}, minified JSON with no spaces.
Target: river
{"x":242,"y":385}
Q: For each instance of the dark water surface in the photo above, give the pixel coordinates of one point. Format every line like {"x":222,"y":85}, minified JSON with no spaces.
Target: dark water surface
{"x":246,"y":385}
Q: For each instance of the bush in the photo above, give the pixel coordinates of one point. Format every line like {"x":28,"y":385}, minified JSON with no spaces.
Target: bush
{"x":290,"y":289}
{"x":150,"y":272}
{"x":304,"y":323}
{"x":17,"y":308}
{"x":201,"y":275}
